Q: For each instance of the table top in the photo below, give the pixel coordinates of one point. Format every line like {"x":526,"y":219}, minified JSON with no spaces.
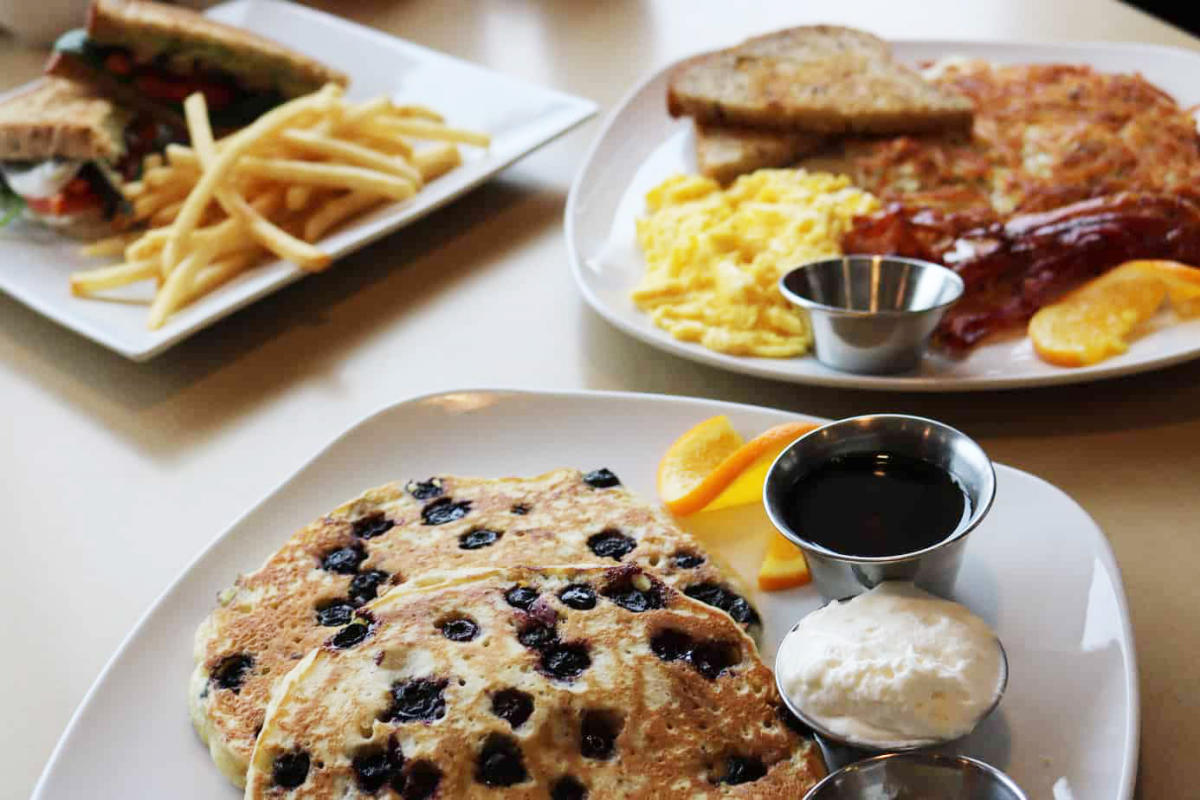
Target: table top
{"x":116,"y":474}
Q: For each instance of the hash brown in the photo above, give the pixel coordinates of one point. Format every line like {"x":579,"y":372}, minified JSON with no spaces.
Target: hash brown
{"x":600,"y":682}
{"x":1045,"y":135}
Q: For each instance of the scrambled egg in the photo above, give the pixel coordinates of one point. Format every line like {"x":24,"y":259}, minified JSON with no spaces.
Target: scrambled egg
{"x":714,"y":257}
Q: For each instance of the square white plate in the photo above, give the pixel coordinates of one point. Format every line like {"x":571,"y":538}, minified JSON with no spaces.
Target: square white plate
{"x":641,"y":146}
{"x":1038,"y":570}
{"x":520,"y":117}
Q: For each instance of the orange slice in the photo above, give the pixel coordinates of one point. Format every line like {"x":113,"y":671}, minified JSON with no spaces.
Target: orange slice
{"x":703,"y":463}
{"x":783,"y":566}
{"x":1099,"y":319}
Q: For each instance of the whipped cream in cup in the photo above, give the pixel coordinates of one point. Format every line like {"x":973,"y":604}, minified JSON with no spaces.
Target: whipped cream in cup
{"x":894,"y":668}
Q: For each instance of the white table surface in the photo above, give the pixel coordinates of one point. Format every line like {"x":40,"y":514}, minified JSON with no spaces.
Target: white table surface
{"x":115,"y":474}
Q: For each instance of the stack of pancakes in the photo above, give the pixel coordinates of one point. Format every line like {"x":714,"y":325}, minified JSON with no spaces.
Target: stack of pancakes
{"x":542,"y":637}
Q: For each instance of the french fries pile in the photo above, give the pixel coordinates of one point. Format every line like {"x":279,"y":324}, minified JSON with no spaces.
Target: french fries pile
{"x":218,"y":208}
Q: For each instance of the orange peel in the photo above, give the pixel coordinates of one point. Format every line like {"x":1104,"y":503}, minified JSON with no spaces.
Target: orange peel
{"x":1098,"y":320}
{"x":783,"y":566}
{"x":710,"y":466}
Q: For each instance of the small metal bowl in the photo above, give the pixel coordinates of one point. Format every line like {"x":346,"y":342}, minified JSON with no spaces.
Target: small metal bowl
{"x":934,"y":568}
{"x":901,"y":746}
{"x":917,"y":776}
{"x":872,"y":314}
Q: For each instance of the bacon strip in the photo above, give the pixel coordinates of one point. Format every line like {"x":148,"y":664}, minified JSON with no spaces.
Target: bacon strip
{"x":1012,"y":269}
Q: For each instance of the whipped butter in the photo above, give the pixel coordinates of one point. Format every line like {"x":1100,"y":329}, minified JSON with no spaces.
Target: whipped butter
{"x":893,"y":665}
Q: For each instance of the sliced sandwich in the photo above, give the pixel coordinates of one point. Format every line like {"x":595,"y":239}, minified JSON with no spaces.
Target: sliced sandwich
{"x":152,"y":56}
{"x":65,"y":152}
{"x":816,"y":79}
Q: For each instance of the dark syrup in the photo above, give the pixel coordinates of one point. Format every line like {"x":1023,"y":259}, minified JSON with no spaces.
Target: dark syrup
{"x":876,"y":504}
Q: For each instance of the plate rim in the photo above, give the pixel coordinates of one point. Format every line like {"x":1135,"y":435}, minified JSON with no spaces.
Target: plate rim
{"x":764,"y":368}
{"x":577,"y":110}
{"x":1129,"y":765}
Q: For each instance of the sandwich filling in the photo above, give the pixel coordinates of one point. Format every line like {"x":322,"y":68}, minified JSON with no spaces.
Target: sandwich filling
{"x":62,"y":191}
{"x":167,"y":75}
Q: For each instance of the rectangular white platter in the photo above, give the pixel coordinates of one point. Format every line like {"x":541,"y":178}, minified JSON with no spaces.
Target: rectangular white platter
{"x":1038,"y":570}
{"x":520,"y":117}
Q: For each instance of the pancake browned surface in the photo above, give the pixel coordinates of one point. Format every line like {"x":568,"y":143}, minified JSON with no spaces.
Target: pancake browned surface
{"x":270,"y":618}
{"x":533,"y":683}
{"x":817,"y":78}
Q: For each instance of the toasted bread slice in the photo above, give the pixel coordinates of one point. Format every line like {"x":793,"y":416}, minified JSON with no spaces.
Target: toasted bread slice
{"x":184,"y":37}
{"x":822,"y":79}
{"x":725,"y":153}
{"x":57,"y":118}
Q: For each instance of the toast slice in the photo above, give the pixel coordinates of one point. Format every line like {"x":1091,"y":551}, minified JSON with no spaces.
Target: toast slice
{"x":57,"y":118}
{"x":725,"y":153}
{"x":157,"y":30}
{"x":819,"y":79}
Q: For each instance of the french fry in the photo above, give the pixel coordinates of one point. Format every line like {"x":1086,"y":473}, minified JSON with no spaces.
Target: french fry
{"x":110,"y":246}
{"x":414,"y":110}
{"x":384,"y":142}
{"x":166,"y":215}
{"x":176,"y":287}
{"x":336,"y":211}
{"x":222,"y":271}
{"x":436,"y":161}
{"x":149,"y":203}
{"x":354,"y":115}
{"x":297,"y":197}
{"x":92,"y":281}
{"x":424,"y":129}
{"x":338,"y":176}
{"x":352,"y":153}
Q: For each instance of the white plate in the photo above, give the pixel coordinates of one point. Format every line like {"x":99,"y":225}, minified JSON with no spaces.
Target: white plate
{"x":641,"y":145}
{"x":34,"y":263}
{"x":1038,"y":569}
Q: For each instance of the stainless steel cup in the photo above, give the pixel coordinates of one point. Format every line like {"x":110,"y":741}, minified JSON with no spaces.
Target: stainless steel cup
{"x":927,"y":776}
{"x":934,"y":568}
{"x":872,"y":314}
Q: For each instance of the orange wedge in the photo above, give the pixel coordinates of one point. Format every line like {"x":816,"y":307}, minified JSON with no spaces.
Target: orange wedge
{"x":703,"y":465}
{"x":783,"y":566}
{"x":1099,"y":319}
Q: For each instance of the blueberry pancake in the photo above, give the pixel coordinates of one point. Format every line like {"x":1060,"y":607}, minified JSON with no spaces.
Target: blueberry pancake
{"x":270,"y":618}
{"x":563,"y":682}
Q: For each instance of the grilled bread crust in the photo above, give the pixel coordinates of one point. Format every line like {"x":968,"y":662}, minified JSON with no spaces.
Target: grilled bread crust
{"x":669,"y":701}
{"x":59,"y":118}
{"x":138,"y":24}
{"x":821,"y":79}
{"x":725,"y":153}
{"x":399,"y":532}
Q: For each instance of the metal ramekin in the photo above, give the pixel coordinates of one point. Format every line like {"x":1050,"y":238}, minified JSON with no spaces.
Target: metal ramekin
{"x":928,"y":776}
{"x":872,"y":314}
{"x":934,"y":568}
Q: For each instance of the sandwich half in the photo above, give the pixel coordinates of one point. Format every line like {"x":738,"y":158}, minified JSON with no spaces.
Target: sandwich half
{"x":65,"y":152}
{"x":152,"y":56}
